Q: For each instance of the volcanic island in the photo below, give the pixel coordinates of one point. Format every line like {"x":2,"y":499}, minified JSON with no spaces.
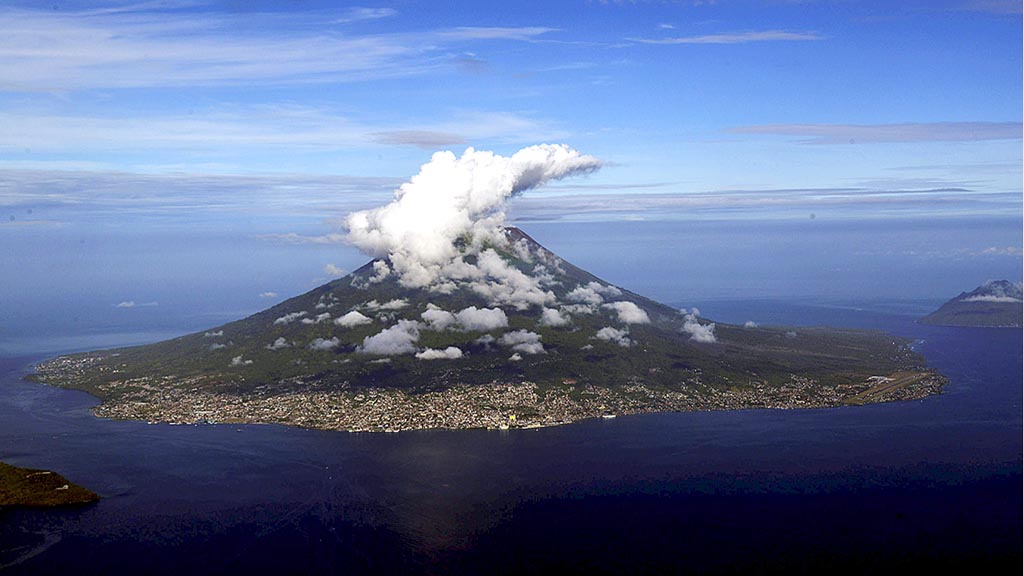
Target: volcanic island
{"x":994,"y":304}
{"x":461,"y":322}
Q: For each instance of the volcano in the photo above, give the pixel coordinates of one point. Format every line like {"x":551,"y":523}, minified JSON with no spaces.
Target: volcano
{"x":994,"y":304}
{"x":512,"y":335}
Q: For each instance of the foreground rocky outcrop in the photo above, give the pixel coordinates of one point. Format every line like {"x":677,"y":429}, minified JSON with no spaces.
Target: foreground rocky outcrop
{"x":27,"y":487}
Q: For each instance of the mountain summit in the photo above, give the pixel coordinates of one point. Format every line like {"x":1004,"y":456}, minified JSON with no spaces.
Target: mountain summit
{"x":505,"y":333}
{"x":461,"y":322}
{"x":997,"y":303}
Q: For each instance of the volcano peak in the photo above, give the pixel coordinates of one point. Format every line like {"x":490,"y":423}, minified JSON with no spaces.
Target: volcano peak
{"x":505,"y":331}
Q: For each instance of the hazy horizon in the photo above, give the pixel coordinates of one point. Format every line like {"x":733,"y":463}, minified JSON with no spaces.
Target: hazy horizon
{"x":748,"y":150}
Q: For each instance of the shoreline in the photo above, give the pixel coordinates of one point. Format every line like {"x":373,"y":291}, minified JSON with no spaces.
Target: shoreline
{"x":493,"y":406}
{"x":35,"y":488}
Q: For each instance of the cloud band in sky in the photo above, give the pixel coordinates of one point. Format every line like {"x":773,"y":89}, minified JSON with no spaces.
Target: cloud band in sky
{"x":881,"y":133}
{"x":735,"y":38}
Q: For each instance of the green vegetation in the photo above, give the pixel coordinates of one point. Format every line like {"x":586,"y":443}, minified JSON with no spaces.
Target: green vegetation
{"x":39,"y":488}
{"x":240,"y":358}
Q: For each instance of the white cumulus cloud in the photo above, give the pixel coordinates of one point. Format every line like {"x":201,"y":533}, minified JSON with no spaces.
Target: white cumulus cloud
{"x":333,"y":271}
{"x":324,"y":343}
{"x":552,"y":317}
{"x":579,"y":308}
{"x":437,"y":319}
{"x":471,"y":319}
{"x":522,"y":341}
{"x":353,"y":318}
{"x":475,"y":319}
{"x":451,"y":198}
{"x":609,"y":334}
{"x":398,"y":339}
{"x":381,"y":270}
{"x":502,"y":283}
{"x":290,"y":317}
{"x":396,"y":304}
{"x":318,"y":319}
{"x":278,"y":344}
{"x":698,"y":332}
{"x":586,"y":295}
{"x":593,"y":293}
{"x":449,"y":353}
{"x":628,"y":312}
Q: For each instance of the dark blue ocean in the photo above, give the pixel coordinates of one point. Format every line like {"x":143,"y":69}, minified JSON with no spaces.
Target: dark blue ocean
{"x":876,"y":489}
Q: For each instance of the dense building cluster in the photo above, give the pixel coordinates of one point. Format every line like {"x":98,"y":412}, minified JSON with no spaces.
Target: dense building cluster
{"x":496,"y":405}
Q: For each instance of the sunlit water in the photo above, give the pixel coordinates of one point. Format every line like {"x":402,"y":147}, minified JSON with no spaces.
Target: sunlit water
{"x":875,"y":488}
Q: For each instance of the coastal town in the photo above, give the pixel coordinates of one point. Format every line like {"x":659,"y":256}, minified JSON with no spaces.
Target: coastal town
{"x":493,"y":406}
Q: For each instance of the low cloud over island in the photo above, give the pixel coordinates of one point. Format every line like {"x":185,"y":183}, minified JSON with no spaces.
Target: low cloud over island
{"x":445,"y":264}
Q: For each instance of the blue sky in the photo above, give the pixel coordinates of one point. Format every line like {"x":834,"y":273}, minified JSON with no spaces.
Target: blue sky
{"x":692,"y":96}
{"x":168,"y":122}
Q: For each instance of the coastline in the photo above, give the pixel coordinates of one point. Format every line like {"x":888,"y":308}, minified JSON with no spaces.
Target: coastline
{"x":491,"y":406}
{"x":32,"y":488}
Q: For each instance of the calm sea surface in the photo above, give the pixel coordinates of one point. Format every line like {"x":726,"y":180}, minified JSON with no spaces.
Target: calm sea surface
{"x":854,"y":490}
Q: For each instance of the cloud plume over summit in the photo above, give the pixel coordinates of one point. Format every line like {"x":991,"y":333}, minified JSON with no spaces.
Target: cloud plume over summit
{"x":452,"y":198}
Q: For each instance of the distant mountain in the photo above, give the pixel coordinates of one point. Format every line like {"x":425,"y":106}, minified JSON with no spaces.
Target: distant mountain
{"x":994,"y":304}
{"x":506,"y":334}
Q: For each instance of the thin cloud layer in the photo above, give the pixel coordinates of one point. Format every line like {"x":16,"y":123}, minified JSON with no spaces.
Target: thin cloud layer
{"x":420,"y":138}
{"x":1008,"y":299}
{"x":95,"y":195}
{"x":139,"y":46}
{"x":359,"y":13}
{"x":996,"y":291}
{"x":882,"y":133}
{"x":735,"y":38}
{"x":133,"y":304}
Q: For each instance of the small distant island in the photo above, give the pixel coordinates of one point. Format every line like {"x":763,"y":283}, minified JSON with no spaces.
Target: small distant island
{"x":27,"y":487}
{"x":995,"y":304}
